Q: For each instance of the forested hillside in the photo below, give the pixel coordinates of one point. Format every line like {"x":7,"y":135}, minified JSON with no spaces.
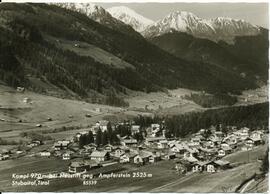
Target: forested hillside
{"x":252,"y":116}
{"x":29,"y":53}
{"x":247,"y":56}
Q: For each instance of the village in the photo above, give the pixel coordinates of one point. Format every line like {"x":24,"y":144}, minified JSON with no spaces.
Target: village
{"x":106,"y":147}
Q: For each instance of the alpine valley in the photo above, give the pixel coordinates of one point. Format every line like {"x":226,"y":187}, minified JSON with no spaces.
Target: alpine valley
{"x":85,"y":52}
{"x":107,"y":100}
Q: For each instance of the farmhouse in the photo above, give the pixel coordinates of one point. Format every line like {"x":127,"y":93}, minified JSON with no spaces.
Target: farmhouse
{"x":82,"y":166}
{"x":4,"y":156}
{"x":100,"y":156}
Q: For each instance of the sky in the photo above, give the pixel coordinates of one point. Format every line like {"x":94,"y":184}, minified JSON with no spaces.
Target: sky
{"x":255,"y":13}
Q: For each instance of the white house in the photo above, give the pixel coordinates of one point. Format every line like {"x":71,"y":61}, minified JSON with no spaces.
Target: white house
{"x":45,"y":153}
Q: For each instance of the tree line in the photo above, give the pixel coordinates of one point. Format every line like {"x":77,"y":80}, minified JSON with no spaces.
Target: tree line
{"x":252,"y":116}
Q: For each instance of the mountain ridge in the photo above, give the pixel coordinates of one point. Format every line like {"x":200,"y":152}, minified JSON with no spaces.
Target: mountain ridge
{"x":130,"y":17}
{"x":216,"y":29}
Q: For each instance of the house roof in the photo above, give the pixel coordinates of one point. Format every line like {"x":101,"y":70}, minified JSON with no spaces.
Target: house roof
{"x":99,"y":154}
{"x":191,"y":159}
{"x":255,"y":138}
{"x":221,"y":162}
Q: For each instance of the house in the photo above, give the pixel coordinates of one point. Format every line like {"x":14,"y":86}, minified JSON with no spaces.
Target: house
{"x":207,"y":153}
{"x":100,"y":156}
{"x":178,"y":148}
{"x":221,"y":164}
{"x":20,"y":89}
{"x":26,"y":100}
{"x":108,"y":148}
{"x":249,"y":142}
{"x":129,"y":141}
{"x":142,"y":157}
{"x":124,"y":158}
{"x":127,"y":157}
{"x":118,"y":152}
{"x":90,"y":147}
{"x":45,"y":153}
{"x":162,"y":144}
{"x":230,"y":140}
{"x":195,"y":141}
{"x":155,"y":126}
{"x":215,"y":139}
{"x":135,"y":129}
{"x":256,"y":140}
{"x":221,"y":153}
{"x":155,"y":157}
{"x":199,"y":166}
{"x":256,"y":134}
{"x":82,"y":166}
{"x":170,"y":155}
{"x":243,"y":133}
{"x":4,"y":156}
{"x":78,"y":167}
{"x":66,"y":156}
{"x":61,"y":145}
{"x":151,"y":140}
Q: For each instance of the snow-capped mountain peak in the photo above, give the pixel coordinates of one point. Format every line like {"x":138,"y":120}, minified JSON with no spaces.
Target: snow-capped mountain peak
{"x":99,"y":14}
{"x":182,"y":21}
{"x":220,"y":28}
{"x":91,"y":10}
{"x":130,"y":17}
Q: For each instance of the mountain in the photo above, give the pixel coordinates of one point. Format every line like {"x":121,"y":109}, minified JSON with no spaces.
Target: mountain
{"x":47,"y":48}
{"x":100,"y":15}
{"x":217,"y":29}
{"x":239,"y":57}
{"x":130,"y":17}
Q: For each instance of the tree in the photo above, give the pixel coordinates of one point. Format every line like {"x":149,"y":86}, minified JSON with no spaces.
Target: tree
{"x":265,"y":163}
{"x":99,"y":137}
{"x":90,"y":137}
{"x":105,"y":138}
{"x":110,"y":133}
{"x":82,"y":141}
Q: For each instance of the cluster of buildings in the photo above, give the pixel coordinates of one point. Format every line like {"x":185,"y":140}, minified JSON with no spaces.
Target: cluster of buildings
{"x":197,"y":153}
{"x":201,"y":152}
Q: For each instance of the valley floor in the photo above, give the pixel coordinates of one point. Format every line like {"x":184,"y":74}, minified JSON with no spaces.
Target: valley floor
{"x":162,"y":176}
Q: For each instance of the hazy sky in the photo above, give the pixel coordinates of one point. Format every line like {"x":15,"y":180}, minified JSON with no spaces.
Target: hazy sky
{"x":255,"y":13}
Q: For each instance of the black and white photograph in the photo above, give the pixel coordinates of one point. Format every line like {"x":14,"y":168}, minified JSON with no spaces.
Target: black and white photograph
{"x":139,"y":96}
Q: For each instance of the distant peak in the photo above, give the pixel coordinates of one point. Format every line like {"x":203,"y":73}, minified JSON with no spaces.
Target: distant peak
{"x":130,"y":17}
